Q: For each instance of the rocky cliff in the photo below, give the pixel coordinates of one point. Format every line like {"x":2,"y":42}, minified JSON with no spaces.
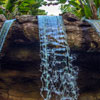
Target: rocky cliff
{"x":23,"y":37}
{"x":20,"y":58}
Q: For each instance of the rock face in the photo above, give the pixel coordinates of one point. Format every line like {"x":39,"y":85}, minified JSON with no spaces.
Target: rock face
{"x":24,"y":35}
{"x":20,"y":58}
{"x":81,"y":36}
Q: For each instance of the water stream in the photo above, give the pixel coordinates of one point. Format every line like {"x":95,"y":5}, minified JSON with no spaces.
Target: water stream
{"x":4,"y":31}
{"x":58,"y":74}
{"x":95,"y":24}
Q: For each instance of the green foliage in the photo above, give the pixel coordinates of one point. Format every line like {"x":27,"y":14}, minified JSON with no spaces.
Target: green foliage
{"x":87,"y":11}
{"x":62,"y":1}
{"x":2,"y":2}
{"x":83,"y":8}
{"x":29,"y":7}
{"x":97,"y":3}
{"x":10,"y":5}
{"x":20,"y":7}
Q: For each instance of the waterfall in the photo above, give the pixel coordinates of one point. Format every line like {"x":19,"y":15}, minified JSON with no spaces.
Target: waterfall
{"x":58,"y":74}
{"x":4,"y":30}
{"x":95,"y":24}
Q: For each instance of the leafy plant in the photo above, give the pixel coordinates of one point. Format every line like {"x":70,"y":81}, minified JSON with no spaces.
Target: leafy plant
{"x":2,"y":2}
{"x":28,"y":7}
{"x":83,"y":8}
{"x":20,"y":7}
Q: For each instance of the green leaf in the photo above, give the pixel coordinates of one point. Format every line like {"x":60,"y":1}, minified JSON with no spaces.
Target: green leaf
{"x":87,"y":11}
{"x":62,"y":1}
{"x":73,"y":3}
{"x":30,"y":1}
{"x":97,"y":3}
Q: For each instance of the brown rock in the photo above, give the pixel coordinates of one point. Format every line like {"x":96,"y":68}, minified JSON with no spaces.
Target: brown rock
{"x":26,"y":18}
{"x":70,"y":17}
{"x":2,"y":18}
{"x":30,"y":31}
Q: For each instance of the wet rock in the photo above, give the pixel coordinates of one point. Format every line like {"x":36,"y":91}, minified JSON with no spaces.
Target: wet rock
{"x":90,"y":96}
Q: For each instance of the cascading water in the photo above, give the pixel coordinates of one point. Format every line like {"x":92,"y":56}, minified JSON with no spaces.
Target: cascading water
{"x":58,"y":75}
{"x":4,"y":30}
{"x":95,"y":24}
